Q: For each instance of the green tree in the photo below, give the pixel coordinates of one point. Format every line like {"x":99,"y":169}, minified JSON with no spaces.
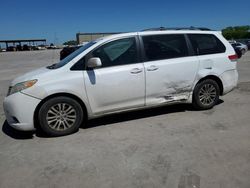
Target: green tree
{"x":70,"y":43}
{"x":237,"y":32}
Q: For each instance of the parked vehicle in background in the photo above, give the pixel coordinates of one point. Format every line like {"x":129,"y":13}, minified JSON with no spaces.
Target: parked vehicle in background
{"x":248,"y":45}
{"x":242,"y":47}
{"x":52,"y":46}
{"x":2,"y":50}
{"x":67,"y":50}
{"x":34,"y":47}
{"x":237,"y":50}
{"x":11,"y":48}
{"x":41,"y":47}
{"x":120,"y":73}
{"x":26,"y":47}
{"x":19,"y":48}
{"x":247,"y":42}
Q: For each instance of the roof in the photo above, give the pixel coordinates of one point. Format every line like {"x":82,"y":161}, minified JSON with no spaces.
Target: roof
{"x":149,"y":32}
{"x":177,"y":32}
{"x":178,"y":28}
{"x":98,"y":33}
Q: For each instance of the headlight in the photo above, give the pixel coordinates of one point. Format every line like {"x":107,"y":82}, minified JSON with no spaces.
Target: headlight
{"x":21,"y":86}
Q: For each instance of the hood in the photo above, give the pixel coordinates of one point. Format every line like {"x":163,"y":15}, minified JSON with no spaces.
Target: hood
{"x":35,"y":74}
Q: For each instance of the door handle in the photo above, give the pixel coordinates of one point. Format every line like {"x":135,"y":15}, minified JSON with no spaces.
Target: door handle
{"x":152,"y":68}
{"x":136,"y":71}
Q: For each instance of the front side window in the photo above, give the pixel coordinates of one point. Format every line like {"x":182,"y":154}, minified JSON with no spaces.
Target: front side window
{"x":119,"y":52}
{"x":169,"y":46}
{"x":206,"y":44}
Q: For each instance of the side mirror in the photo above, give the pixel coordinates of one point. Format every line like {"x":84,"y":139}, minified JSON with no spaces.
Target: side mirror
{"x":94,"y":62}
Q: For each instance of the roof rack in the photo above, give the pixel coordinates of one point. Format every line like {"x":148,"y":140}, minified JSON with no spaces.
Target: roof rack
{"x":178,"y":28}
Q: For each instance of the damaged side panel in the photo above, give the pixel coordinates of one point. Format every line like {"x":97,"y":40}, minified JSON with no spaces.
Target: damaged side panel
{"x":171,"y":92}
{"x":172,"y":81}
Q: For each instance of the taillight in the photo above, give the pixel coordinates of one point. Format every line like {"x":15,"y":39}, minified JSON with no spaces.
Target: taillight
{"x":233,"y":57}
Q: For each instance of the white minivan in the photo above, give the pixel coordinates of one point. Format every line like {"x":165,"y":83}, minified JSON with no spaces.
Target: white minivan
{"x":123,"y":72}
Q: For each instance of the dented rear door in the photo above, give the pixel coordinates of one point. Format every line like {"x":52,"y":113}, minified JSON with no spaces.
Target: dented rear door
{"x":170,"y":71}
{"x":170,"y":80}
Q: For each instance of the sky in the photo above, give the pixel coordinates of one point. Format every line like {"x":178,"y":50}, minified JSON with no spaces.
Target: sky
{"x":59,"y":21}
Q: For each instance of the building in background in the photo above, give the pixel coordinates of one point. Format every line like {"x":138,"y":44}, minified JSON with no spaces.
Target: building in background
{"x":86,"y":37}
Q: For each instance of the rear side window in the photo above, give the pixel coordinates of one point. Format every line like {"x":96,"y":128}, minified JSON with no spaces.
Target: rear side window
{"x":159,"y":47}
{"x":206,"y":44}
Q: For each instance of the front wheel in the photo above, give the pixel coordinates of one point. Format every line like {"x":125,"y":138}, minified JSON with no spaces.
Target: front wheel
{"x":60,"y":116}
{"x":206,"y":94}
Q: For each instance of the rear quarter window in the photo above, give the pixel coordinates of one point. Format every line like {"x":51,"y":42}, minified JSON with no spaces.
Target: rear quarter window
{"x":204,"y":44}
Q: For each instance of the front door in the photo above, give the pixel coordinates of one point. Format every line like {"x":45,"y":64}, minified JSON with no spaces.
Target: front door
{"x":120,"y":83}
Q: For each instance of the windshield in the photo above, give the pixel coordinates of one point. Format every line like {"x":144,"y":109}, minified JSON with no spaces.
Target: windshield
{"x":72,"y":55}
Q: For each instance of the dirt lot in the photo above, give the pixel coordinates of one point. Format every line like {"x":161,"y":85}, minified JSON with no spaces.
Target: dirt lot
{"x":173,"y":146}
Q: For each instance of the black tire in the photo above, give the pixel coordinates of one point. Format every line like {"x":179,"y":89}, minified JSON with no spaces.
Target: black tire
{"x":64,"y":122}
{"x":205,"y":101}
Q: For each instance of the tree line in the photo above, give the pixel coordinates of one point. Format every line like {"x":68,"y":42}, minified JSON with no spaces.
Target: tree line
{"x":237,"y":32}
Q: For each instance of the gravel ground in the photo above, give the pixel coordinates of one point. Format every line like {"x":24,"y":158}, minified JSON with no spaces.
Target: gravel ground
{"x":171,"y":147}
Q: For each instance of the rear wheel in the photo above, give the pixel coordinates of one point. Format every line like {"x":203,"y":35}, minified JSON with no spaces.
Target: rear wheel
{"x":206,"y":94}
{"x":60,"y":116}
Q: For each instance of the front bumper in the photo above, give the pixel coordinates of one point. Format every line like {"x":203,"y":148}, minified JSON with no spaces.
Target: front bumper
{"x":19,"y":110}
{"x":229,"y":80}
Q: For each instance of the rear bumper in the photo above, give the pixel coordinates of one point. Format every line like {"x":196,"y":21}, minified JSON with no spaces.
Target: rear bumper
{"x":19,"y":111}
{"x":229,"y":80}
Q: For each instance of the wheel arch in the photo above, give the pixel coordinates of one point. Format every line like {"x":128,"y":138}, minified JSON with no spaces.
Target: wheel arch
{"x":215,"y":78}
{"x":82,"y":104}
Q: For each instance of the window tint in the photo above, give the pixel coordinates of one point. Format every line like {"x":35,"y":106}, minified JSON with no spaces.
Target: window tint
{"x":206,"y":44}
{"x":159,"y":47}
{"x":119,"y":52}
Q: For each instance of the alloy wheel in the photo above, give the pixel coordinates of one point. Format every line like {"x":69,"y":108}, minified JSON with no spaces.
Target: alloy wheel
{"x":61,"y":116}
{"x":207,"y":94}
